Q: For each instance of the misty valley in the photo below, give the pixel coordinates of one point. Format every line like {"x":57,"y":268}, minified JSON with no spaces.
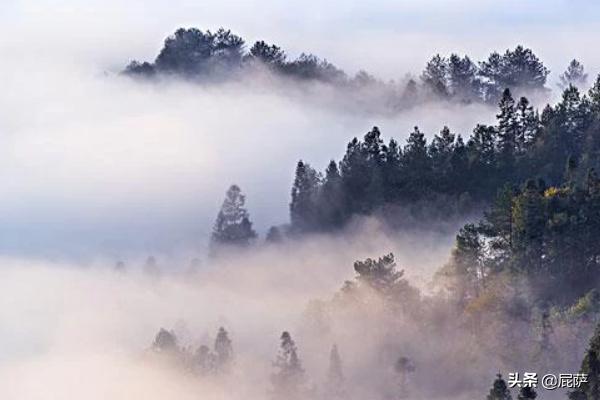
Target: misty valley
{"x":234,"y":221}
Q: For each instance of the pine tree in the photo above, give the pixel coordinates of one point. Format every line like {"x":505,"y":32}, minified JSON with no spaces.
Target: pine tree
{"x":466,"y":269}
{"x":288,"y":379}
{"x":334,"y":386}
{"x":392,"y":178}
{"x":303,"y":212}
{"x":527,"y":125}
{"x":435,"y":76}
{"x":481,"y":150}
{"x":499,"y":390}
{"x":416,"y":166}
{"x":331,"y":198}
{"x":380,"y":274}
{"x":507,"y":134}
{"x":463,"y":82}
{"x":270,"y":55}
{"x":594,"y":94}
{"x":223,"y":351}
{"x":574,"y":75}
{"x":233,"y":226}
{"x":528,"y":225}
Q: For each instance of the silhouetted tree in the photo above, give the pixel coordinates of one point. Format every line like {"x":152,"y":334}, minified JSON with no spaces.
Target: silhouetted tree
{"x":233,"y":226}
{"x":223,"y":351}
{"x":499,"y":390}
{"x":574,"y":75}
{"x":288,"y":379}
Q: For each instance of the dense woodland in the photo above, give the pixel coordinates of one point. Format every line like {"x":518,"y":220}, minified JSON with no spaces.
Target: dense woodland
{"x":529,"y":269}
{"x":521,"y":283}
{"x":219,"y":56}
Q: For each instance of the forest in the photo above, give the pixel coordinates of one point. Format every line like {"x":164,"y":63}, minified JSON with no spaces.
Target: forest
{"x":208,"y":213}
{"x":522,"y":281}
{"x":205,"y":56}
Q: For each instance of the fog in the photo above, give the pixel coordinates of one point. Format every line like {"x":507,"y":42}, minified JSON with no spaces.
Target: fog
{"x":97,"y":163}
{"x":71,"y":332}
{"x":96,"y":167}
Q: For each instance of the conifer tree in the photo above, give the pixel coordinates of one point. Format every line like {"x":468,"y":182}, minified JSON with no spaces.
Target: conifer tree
{"x":416,"y":166}
{"x":303,"y":212}
{"x":527,"y":125}
{"x":574,"y":75}
{"x":288,"y":378}
{"x":435,"y":76}
{"x":507,"y":134}
{"x":223,"y":351}
{"x":463,"y":83}
{"x":331,"y":198}
{"x":233,"y":226}
{"x":499,"y":390}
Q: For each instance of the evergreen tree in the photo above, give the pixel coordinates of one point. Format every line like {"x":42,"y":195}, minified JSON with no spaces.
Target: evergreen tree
{"x":594,"y":94}
{"x":223,"y":351}
{"x":527,"y":126}
{"x":392,"y":178}
{"x":574,"y":75}
{"x":481,"y":150}
{"x":380,"y":274}
{"x":499,"y":390}
{"x":458,"y":168}
{"x":303,"y":213}
{"x":441,"y":151}
{"x":466,"y":269}
{"x":233,"y":226}
{"x":289,"y":378}
{"x":435,"y":76}
{"x":331,"y":198}
{"x":507,"y":134}
{"x":463,"y":83}
{"x":269,"y":55}
{"x":515,"y":69}
{"x":529,"y":221}
{"x":416,"y":166}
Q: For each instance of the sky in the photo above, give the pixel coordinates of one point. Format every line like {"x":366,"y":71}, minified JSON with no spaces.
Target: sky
{"x":94,"y":164}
